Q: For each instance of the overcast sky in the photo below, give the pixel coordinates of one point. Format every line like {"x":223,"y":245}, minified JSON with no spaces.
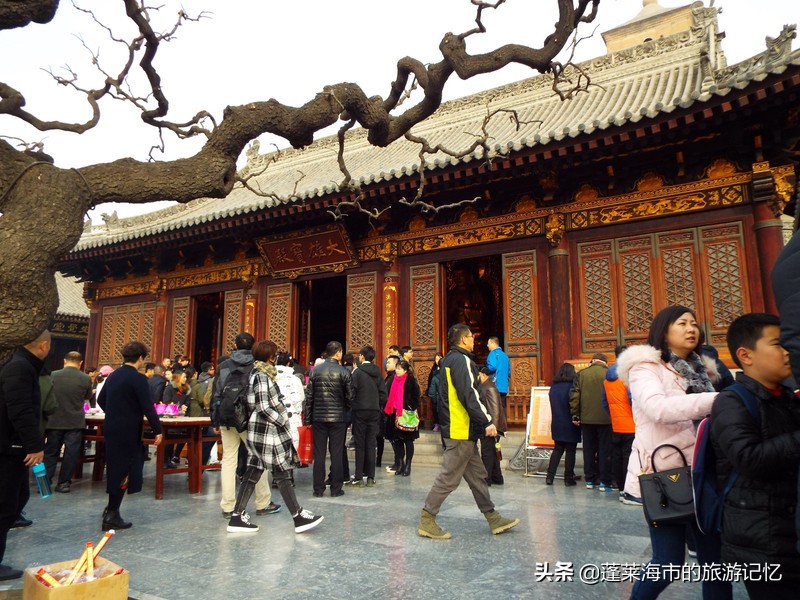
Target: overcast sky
{"x":261,"y":49}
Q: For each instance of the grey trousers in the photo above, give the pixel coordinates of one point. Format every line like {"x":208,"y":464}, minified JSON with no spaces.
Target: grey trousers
{"x":461,"y":461}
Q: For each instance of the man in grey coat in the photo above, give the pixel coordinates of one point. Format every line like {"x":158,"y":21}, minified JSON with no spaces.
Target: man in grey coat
{"x":72,"y":387}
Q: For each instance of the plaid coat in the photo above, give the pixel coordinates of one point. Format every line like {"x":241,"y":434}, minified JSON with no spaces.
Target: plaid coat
{"x":269,"y":440}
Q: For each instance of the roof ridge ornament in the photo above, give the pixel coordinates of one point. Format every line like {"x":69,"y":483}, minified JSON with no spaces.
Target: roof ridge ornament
{"x":777,"y":53}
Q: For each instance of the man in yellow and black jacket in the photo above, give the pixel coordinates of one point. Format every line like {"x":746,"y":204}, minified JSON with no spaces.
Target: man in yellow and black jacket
{"x":463,"y":419}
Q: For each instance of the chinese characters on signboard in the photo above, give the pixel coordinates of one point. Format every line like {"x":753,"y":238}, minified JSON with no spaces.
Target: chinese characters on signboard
{"x":322,"y":249}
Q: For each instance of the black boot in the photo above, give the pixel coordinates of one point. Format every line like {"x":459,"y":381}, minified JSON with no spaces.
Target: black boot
{"x":113,"y":520}
{"x":549,"y":479}
{"x":569,"y":481}
{"x":406,"y":470}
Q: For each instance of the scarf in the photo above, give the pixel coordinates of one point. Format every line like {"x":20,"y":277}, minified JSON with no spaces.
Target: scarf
{"x":693,"y":371}
{"x":394,"y":405}
{"x":266,"y":368}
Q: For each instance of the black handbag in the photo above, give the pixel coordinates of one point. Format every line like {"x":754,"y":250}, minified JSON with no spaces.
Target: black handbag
{"x":667,"y":495}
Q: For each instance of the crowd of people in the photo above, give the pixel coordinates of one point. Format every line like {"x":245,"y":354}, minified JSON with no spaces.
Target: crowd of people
{"x":625,"y":413}
{"x":644,"y":409}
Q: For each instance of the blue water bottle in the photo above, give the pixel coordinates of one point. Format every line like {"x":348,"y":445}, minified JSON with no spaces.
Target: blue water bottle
{"x":42,"y":481}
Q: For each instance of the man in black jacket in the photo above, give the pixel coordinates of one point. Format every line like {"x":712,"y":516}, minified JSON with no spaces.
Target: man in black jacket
{"x":328,"y":397}
{"x":21,"y":443}
{"x":369,"y":398}
{"x":463,"y":419}
{"x":786,"y":286}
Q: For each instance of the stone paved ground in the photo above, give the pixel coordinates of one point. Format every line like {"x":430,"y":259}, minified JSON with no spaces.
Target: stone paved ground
{"x":367,"y":547}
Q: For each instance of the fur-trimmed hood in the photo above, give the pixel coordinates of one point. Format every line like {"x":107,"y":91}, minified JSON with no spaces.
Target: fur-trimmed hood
{"x":644,"y":353}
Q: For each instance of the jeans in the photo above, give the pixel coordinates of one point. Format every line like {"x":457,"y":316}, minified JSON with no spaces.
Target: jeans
{"x":72,"y":440}
{"x":669,"y":548}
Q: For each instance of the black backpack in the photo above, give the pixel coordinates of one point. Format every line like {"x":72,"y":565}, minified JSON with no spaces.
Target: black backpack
{"x":233,"y":411}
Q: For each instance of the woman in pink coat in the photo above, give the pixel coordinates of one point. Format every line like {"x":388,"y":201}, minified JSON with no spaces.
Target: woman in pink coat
{"x":671,"y":387}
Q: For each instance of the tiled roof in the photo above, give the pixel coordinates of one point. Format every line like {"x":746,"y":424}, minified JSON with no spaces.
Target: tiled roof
{"x":642,"y":82}
{"x":70,"y":297}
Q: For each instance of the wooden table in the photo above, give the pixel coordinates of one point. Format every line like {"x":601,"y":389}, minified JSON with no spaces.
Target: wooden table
{"x":176,"y":430}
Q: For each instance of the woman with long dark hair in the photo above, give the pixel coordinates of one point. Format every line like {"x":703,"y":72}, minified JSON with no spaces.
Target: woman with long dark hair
{"x":404,"y":394}
{"x":671,"y":386}
{"x":566,"y":434}
{"x":269,"y":444}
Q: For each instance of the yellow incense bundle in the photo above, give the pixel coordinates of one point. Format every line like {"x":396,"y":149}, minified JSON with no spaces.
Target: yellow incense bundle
{"x":90,"y":560}
{"x":101,"y":544}
{"x":47,"y":578}
{"x":77,"y":569}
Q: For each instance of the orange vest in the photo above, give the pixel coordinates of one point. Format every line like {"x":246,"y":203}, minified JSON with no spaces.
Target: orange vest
{"x":619,"y":407}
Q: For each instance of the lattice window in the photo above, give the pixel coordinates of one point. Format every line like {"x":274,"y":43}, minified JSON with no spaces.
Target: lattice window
{"x":278,"y":323}
{"x":638,"y":291}
{"x":724,"y":282}
{"x":122,"y":324}
{"x":424,"y":324}
{"x":679,"y":276}
{"x":597,"y":285}
{"x":180,"y":325}
{"x":520,"y":293}
{"x":233,"y":317}
{"x":106,"y":337}
{"x":362,"y":317}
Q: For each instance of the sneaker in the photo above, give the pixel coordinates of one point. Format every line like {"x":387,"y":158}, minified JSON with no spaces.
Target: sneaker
{"x":269,"y":509}
{"x":305,"y":520}
{"x":63,"y":488}
{"x":589,"y":485}
{"x":175,"y":461}
{"x":499,"y":524}
{"x":241,"y":524}
{"x":621,"y":496}
{"x":350,"y":481}
{"x":605,"y":488}
{"x":359,"y":483}
{"x":370,"y":482}
{"x":630,"y":500}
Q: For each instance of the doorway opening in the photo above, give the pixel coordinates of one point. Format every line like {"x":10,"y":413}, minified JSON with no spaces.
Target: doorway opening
{"x":475,"y":297}
{"x":207,"y":328}
{"x":327,"y":314}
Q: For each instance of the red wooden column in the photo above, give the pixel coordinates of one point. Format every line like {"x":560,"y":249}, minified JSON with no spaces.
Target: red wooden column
{"x":93,"y":340}
{"x":767,"y":207}
{"x":560,"y":300}
{"x":159,"y":349}
{"x":769,"y":234}
{"x":389,"y":294}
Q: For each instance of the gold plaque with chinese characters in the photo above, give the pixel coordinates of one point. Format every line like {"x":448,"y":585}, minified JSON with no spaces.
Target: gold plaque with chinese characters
{"x":310,"y":251}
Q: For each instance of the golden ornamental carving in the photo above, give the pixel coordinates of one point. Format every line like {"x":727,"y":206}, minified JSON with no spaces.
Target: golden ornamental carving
{"x":525,"y":203}
{"x":417,"y":223}
{"x":587,"y":193}
{"x":720,"y":168}
{"x":784,"y":189}
{"x":468,"y":214}
{"x":554,"y":228}
{"x":251,"y":276}
{"x":761,"y":167}
{"x":387,"y":253}
{"x":650,"y":181}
